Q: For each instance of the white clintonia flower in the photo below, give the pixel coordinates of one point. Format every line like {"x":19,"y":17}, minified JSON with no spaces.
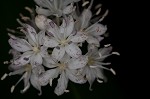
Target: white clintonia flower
{"x":68,"y":69}
{"x":94,"y":68}
{"x":29,"y":76}
{"x":64,"y":39}
{"x":55,"y":7}
{"x":93,"y":31}
{"x":32,"y":48}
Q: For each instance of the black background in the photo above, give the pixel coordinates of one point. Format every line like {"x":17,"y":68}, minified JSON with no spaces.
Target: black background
{"x":117,"y":87}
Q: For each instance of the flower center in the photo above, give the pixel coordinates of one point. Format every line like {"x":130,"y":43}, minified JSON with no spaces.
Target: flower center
{"x":90,"y":61}
{"x":64,"y":42}
{"x":28,"y":67}
{"x":36,"y":49}
{"x":62,"y":66}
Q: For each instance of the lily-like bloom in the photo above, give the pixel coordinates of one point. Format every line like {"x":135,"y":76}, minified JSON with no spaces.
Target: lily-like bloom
{"x":29,"y":76}
{"x":55,"y":7}
{"x":32,"y":47}
{"x":84,"y":25}
{"x":94,"y":68}
{"x":68,"y":68}
{"x":64,"y":39}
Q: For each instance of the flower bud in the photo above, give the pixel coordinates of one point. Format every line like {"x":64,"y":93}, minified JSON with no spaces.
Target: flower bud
{"x":40,"y":21}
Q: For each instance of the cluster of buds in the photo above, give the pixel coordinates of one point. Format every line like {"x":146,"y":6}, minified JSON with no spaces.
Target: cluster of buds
{"x":49,"y":46}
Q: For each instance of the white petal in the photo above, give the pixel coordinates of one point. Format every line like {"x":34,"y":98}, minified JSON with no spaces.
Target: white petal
{"x":79,"y":62}
{"x":20,"y":45}
{"x":38,"y":70}
{"x":68,"y":9}
{"x":96,"y":29}
{"x":66,"y":2}
{"x":50,"y":42}
{"x":43,"y":3}
{"x":14,"y":53}
{"x":90,"y":76}
{"x":41,"y":37}
{"x":36,"y":59}
{"x":65,"y":59}
{"x":42,"y":11}
{"x":26,"y":79}
{"x":105,"y":51}
{"x":23,"y":60}
{"x":74,"y":77}
{"x":73,"y":50}
{"x":46,"y":76}
{"x":31,"y":33}
{"x":52,"y":28}
{"x":58,"y":53}
{"x":100,"y":74}
{"x":43,"y":51}
{"x":68,"y":25}
{"x":99,"y":38}
{"x":93,"y":40}
{"x":49,"y":62}
{"x":62,"y":84}
{"x":79,"y":37}
{"x":35,"y":82}
{"x":85,"y":18}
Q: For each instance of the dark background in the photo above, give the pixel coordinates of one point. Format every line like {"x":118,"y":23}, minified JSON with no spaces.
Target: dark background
{"x":117,"y":87}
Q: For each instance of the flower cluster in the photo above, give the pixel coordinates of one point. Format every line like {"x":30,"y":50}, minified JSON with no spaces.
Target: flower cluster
{"x":50,"y":46}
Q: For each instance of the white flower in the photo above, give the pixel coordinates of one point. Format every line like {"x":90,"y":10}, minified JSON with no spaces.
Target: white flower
{"x":63,"y":38}
{"x":55,"y":7}
{"x":68,"y":69}
{"x":94,"y":68}
{"x":32,"y":48}
{"x":93,"y":31}
{"x":29,"y":75}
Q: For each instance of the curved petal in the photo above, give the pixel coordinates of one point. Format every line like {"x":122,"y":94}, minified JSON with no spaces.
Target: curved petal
{"x":31,"y":33}
{"x":41,"y":37}
{"x":65,"y":59}
{"x":46,"y":76}
{"x":92,"y":40}
{"x":96,"y":29}
{"x":52,"y":28}
{"x":23,"y":60}
{"x":58,"y":53}
{"x":100,"y":73}
{"x":105,"y":51}
{"x":42,"y":11}
{"x":36,"y":59}
{"x":90,"y":76}
{"x":14,"y":53}
{"x":66,"y":2}
{"x":35,"y":82}
{"x":20,"y":45}
{"x":68,"y":25}
{"x":49,"y":62}
{"x":62,"y":84}
{"x":50,"y":42}
{"x":43,"y":3}
{"x":68,"y":9}
{"x":74,"y":77}
{"x":79,"y":37}
{"x":76,"y":63}
{"x":73,"y":50}
{"x":85,"y":18}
